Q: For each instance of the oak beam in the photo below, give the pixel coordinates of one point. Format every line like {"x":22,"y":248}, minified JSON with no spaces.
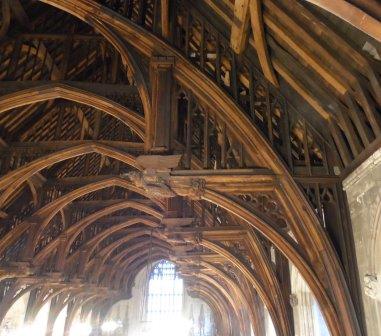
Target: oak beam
{"x":49,"y":146}
{"x":351,"y":14}
{"x":161,"y":75}
{"x":240,"y":27}
{"x":260,"y":41}
{"x":102,"y":89}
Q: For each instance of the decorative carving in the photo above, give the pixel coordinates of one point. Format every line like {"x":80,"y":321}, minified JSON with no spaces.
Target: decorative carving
{"x":294,"y":300}
{"x":268,"y":206}
{"x":197,"y":189}
{"x":152,"y":183}
{"x":370,"y":285}
{"x":155,"y":178}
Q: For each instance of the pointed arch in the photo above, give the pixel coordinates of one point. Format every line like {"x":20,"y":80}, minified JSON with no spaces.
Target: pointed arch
{"x":64,"y":91}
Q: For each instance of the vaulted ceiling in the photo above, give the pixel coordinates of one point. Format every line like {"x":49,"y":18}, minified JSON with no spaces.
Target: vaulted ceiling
{"x":212,"y":133}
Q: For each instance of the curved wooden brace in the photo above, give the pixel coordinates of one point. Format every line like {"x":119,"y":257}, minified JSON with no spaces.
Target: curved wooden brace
{"x":71,"y":314}
{"x":288,"y":248}
{"x":280,"y":320}
{"x":140,"y":246}
{"x":10,"y":298}
{"x":106,"y":252}
{"x":139,"y":249}
{"x":266,"y":273}
{"x":41,"y":299}
{"x":64,"y":91}
{"x":215,"y":287}
{"x":218,"y":300}
{"x":230,"y":300}
{"x":236,"y":288}
{"x":74,"y":230}
{"x":137,"y":266}
{"x":92,"y":244}
{"x":340,"y":316}
{"x":128,"y":204}
{"x":136,"y":73}
{"x":50,"y":210}
{"x":156,"y":253}
{"x":220,"y":321}
{"x":14,"y":179}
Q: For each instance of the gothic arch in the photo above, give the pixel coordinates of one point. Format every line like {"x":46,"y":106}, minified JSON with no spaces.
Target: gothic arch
{"x":65,"y":91}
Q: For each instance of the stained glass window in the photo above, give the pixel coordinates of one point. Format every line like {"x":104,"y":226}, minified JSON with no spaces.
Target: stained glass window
{"x":165,"y":292}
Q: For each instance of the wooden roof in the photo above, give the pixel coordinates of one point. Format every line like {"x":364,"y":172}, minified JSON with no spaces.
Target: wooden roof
{"x":266,"y":105}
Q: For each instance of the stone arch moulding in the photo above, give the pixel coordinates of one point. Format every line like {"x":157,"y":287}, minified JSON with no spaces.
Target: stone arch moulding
{"x":321,"y":259}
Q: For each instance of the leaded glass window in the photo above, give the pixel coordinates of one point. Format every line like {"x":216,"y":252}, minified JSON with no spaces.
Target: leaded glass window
{"x":165,"y":292}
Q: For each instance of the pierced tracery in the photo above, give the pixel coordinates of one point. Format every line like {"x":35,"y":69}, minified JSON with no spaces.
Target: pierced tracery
{"x":99,"y":98}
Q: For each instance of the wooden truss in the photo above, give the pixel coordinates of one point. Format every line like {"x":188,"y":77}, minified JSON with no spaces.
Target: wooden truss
{"x":135,"y":131}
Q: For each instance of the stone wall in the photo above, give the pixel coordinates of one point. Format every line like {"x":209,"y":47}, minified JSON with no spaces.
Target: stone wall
{"x":363,"y":188}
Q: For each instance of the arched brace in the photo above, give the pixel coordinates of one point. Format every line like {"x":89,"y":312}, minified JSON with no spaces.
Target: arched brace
{"x":74,"y":230}
{"x":122,"y":264}
{"x":226,"y":326}
{"x":141,"y":248}
{"x":12,"y":296}
{"x":72,"y":308}
{"x":156,"y":254}
{"x":280,"y":319}
{"x":93,"y":243}
{"x":326,"y":267}
{"x":33,"y":191}
{"x":214,"y":286}
{"x":50,"y":210}
{"x":14,"y":179}
{"x":38,"y":297}
{"x":219,"y":319}
{"x":106,"y":252}
{"x":288,"y":248}
{"x":80,"y":305}
{"x":241,"y":293}
{"x":56,"y":307}
{"x":128,"y":204}
{"x":65,"y":91}
{"x":127,"y":59}
{"x":136,"y":266}
{"x":136,"y":73}
{"x":266,"y":274}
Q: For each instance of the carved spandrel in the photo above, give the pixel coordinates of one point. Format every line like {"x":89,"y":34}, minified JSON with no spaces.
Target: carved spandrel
{"x":267,"y":205}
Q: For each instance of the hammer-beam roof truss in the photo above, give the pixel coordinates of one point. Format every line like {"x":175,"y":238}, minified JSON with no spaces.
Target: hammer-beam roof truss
{"x":93,"y":98}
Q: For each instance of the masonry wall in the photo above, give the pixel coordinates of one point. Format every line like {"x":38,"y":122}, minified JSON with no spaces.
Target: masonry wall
{"x":363,"y":188}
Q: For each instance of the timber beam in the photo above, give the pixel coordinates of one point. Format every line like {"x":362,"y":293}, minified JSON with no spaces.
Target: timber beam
{"x":42,"y":147}
{"x":102,"y":89}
